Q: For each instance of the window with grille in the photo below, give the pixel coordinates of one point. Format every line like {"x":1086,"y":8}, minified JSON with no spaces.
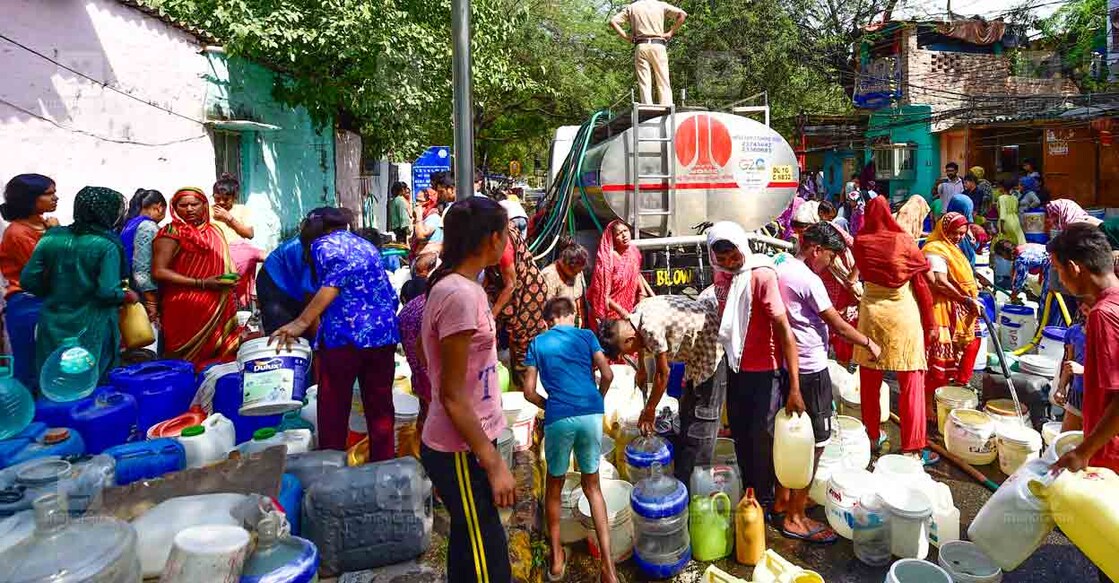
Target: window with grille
{"x":227,"y":152}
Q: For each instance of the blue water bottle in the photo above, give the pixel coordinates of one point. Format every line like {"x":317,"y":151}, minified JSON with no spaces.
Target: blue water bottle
{"x":70,"y":372}
{"x":16,"y":406}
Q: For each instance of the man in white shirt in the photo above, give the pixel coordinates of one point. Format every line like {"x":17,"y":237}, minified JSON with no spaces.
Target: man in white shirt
{"x":950,"y":186}
{"x":650,"y":57}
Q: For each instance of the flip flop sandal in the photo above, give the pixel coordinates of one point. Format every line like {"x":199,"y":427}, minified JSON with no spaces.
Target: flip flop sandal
{"x":808,"y":537}
{"x":929,"y":457}
{"x":563,"y":570}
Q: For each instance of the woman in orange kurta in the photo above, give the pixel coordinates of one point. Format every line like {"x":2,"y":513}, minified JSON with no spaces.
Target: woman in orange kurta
{"x":27,"y":198}
{"x":189,"y":258}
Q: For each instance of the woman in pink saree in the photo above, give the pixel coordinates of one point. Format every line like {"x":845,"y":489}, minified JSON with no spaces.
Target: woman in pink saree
{"x":616,"y":285}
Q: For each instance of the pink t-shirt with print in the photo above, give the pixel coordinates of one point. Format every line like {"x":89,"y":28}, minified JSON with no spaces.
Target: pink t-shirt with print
{"x":457,"y":304}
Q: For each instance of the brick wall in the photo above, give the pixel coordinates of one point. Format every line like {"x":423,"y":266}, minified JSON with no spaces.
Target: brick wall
{"x":953,"y":83}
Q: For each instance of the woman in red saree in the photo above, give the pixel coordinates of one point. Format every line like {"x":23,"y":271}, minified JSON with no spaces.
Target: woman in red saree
{"x":197,"y":308}
{"x":616,"y":284}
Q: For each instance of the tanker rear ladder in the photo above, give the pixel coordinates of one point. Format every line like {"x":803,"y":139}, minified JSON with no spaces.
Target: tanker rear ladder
{"x":666,"y":144}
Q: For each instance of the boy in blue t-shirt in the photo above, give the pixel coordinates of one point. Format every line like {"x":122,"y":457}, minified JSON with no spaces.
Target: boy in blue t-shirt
{"x":566,"y":358}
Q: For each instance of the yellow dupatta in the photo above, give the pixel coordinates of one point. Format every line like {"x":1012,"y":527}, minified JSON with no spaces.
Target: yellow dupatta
{"x":955,"y":323}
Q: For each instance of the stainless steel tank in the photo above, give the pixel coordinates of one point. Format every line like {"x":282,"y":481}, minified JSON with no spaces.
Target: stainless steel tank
{"x":727,"y":167}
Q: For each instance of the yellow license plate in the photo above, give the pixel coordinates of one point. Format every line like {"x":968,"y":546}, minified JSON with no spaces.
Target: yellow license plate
{"x":673,"y":277}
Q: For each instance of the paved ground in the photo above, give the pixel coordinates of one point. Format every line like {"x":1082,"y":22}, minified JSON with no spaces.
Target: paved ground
{"x":1056,"y":560}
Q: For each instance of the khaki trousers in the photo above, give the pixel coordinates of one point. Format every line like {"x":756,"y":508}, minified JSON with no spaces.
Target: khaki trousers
{"x":650,"y":60}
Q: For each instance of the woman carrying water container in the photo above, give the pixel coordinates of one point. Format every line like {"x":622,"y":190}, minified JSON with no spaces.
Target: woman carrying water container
{"x":458,"y":337}
{"x":355,"y":306}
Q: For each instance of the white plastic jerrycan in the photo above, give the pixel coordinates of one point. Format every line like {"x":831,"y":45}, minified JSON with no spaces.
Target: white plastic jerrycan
{"x":209,"y":442}
{"x":794,"y":445}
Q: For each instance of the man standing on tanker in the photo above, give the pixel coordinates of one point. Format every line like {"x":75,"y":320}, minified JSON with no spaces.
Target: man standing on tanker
{"x":650,"y":57}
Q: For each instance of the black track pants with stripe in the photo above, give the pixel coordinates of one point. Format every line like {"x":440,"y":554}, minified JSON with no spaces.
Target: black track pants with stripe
{"x":477,"y":550}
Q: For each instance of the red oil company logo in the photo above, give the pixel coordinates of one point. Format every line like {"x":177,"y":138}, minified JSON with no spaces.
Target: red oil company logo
{"x":703,"y":145}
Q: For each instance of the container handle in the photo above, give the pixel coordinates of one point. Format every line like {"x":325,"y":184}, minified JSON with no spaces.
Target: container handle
{"x":717,"y":497}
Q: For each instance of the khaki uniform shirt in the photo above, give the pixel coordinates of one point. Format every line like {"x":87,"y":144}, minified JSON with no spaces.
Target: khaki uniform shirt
{"x":646,"y":17}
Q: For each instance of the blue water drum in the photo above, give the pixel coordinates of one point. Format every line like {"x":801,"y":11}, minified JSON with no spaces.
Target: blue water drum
{"x":163,"y":389}
{"x":227,"y":401}
{"x":108,"y":419}
{"x":38,"y":440}
{"x":142,"y":460}
{"x":291,"y":498}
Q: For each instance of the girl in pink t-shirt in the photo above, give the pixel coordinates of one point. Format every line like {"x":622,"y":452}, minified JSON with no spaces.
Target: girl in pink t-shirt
{"x":459,"y":344}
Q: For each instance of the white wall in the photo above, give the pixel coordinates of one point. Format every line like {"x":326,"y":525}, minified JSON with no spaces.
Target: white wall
{"x":128,"y":50}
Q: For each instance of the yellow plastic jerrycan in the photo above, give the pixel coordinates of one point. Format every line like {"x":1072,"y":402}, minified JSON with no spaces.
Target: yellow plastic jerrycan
{"x":794,"y":448}
{"x":1086,"y":507}
{"x":773,"y":568}
{"x":749,"y":530}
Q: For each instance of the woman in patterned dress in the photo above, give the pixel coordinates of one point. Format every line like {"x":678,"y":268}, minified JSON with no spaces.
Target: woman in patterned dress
{"x":517,"y":292}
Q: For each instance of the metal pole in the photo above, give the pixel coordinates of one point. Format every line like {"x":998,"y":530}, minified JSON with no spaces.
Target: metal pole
{"x":463,"y":99}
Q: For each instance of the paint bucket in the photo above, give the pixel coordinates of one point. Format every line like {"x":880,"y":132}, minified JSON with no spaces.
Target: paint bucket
{"x":1017,"y":445}
{"x":274,"y":381}
{"x":616,"y":495}
{"x":1052,"y":343}
{"x":966,"y":563}
{"x":970,"y":434}
{"x":949,"y":398}
{"x":213,"y":552}
{"x":916,"y":571}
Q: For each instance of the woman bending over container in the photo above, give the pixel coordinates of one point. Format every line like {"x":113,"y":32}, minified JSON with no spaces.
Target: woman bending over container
{"x":459,"y":342}
{"x":355,"y":307}
{"x":191,"y":263}
{"x":80,"y":273}
{"x":27,"y":198}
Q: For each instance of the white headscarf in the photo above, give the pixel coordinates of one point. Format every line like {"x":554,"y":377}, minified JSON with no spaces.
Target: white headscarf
{"x":807,"y":213}
{"x":736,"y":313}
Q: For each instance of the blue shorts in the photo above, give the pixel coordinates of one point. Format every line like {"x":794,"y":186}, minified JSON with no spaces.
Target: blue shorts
{"x":583,"y":434}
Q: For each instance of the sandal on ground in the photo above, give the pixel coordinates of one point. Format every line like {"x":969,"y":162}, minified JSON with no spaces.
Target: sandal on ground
{"x":927,"y":457}
{"x":563,"y":570}
{"x":812,"y":535}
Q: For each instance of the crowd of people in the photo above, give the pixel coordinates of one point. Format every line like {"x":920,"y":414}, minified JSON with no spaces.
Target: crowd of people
{"x":889,"y":290}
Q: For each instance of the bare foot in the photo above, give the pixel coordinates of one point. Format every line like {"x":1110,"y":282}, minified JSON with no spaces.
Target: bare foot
{"x":559,"y":567}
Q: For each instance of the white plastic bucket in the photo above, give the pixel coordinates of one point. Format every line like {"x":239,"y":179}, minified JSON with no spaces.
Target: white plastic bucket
{"x":213,"y":552}
{"x":850,"y":401}
{"x":910,"y":511}
{"x":900,"y":470}
{"x":1052,"y":344}
{"x":1063,"y":444}
{"x":967,"y":563}
{"x":848,"y":449}
{"x":1002,"y":413}
{"x":616,"y":494}
{"x":950,"y":398}
{"x":520,"y":416}
{"x":406,"y":411}
{"x":981,"y":361}
{"x":274,"y":381}
{"x":915,"y":571}
{"x":970,"y":434}
{"x":1017,"y":445}
{"x":1049,"y":432}
{"x":571,"y":530}
{"x":1017,"y":325}
{"x":505,"y":445}
{"x":844,"y":490}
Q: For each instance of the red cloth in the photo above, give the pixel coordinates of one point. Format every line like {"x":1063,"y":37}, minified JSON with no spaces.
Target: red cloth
{"x":762,"y":351}
{"x":885,"y":253}
{"x":1101,"y":373}
{"x":199,"y":325}
{"x":911,"y":406}
{"x":959,"y":375}
{"x":615,"y":276}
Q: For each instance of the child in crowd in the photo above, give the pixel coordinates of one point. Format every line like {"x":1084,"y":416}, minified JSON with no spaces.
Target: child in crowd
{"x":566,"y":358}
{"x":1069,"y":392}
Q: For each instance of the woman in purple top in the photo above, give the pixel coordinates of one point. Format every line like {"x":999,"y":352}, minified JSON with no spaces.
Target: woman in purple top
{"x":355,"y":307}
{"x":414,"y":296}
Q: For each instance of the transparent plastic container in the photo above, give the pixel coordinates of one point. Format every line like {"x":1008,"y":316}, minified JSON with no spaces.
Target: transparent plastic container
{"x":69,"y":373}
{"x":82,"y":482}
{"x":871,"y":531}
{"x":642,"y":453}
{"x":88,"y":550}
{"x":17,"y":408}
{"x":279,"y":560}
{"x":662,"y":545}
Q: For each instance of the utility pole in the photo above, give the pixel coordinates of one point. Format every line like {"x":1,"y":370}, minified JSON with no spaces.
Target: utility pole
{"x":463,"y":99}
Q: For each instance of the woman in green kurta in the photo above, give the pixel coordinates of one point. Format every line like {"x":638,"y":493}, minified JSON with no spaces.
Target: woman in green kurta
{"x":80,"y":273}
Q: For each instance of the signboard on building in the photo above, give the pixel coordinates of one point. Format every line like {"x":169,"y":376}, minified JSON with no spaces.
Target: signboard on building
{"x":434,"y":159}
{"x":879,"y":83}
{"x":1056,"y":143}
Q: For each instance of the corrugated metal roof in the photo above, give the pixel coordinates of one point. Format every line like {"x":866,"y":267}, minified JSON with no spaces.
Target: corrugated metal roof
{"x":202,"y":35}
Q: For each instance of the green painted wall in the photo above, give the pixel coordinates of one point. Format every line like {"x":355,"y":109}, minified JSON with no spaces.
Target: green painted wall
{"x":909,"y":124}
{"x":285,"y":172}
